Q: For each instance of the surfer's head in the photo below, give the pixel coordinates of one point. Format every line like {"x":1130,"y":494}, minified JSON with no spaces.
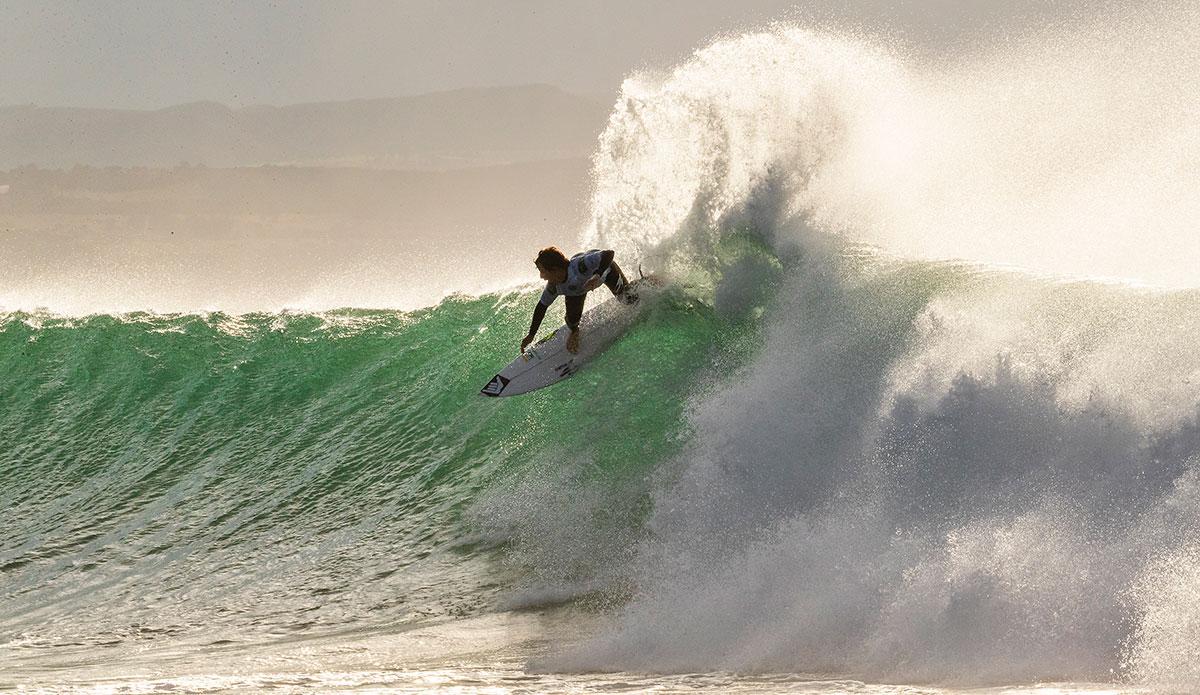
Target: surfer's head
{"x":551,"y":264}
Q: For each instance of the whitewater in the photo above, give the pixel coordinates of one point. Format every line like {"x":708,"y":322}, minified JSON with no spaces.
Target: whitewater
{"x":918,"y":411}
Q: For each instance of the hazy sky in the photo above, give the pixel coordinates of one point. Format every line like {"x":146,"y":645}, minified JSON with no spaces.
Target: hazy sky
{"x":155,"y":53}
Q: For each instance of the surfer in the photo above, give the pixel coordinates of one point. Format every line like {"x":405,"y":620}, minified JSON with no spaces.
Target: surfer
{"x":573,"y":279}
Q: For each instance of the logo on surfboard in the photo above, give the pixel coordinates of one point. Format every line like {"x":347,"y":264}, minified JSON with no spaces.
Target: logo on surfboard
{"x":495,"y":387}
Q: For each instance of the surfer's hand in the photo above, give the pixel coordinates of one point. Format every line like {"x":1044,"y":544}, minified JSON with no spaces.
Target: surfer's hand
{"x":592,"y":283}
{"x":573,"y":342}
{"x":526,"y":341}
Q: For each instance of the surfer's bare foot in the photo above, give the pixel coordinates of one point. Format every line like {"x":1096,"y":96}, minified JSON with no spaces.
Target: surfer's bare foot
{"x":573,"y":342}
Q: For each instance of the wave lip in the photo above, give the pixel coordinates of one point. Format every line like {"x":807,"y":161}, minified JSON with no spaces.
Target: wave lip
{"x":1051,"y":151}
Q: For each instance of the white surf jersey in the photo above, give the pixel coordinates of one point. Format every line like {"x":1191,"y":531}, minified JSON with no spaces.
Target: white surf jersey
{"x":581,"y":267}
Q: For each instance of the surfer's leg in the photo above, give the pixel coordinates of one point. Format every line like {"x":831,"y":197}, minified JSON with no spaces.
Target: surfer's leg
{"x":574,"y":310}
{"x":616,"y":282}
{"x":574,"y":313}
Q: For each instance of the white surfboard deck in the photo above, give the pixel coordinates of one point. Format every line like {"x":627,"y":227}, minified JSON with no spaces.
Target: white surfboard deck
{"x":547,"y":361}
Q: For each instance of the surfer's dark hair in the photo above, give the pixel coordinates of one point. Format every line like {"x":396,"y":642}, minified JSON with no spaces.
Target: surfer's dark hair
{"x":551,"y":258}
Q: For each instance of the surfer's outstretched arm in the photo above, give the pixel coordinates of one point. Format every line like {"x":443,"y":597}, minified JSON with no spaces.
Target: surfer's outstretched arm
{"x":539,"y":313}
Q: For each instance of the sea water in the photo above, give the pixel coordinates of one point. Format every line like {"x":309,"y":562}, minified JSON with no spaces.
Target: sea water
{"x":918,"y":412}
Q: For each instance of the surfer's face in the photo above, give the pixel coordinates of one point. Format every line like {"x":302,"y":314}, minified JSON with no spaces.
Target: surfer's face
{"x":555,"y":275}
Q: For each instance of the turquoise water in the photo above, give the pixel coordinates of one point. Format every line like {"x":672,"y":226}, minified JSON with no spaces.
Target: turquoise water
{"x":248,"y":476}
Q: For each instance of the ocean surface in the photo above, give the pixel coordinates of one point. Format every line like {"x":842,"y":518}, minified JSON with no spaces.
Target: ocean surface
{"x":916,"y":411}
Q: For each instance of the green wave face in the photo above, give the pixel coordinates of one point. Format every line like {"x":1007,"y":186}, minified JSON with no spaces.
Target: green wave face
{"x":250,"y":475}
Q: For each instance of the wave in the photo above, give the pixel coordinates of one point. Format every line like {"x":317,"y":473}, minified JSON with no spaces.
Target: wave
{"x":960,"y":453}
{"x":896,"y":469}
{"x":213,"y":478}
{"x":930,"y":472}
{"x":221,"y":474}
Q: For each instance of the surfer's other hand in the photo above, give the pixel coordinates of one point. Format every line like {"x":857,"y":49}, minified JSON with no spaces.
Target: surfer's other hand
{"x":526,"y":341}
{"x":573,"y":342}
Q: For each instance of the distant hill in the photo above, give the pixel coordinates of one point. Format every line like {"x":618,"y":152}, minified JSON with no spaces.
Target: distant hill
{"x":440,"y":131}
{"x":413,"y":204}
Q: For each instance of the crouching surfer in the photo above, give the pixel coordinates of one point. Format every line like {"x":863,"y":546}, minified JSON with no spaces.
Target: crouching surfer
{"x":573,"y":279}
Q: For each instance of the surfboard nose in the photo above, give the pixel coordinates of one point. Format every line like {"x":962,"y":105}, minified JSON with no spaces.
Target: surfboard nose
{"x":494,"y":387}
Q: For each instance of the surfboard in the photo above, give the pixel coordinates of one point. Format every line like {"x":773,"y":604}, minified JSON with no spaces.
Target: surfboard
{"x":547,"y":361}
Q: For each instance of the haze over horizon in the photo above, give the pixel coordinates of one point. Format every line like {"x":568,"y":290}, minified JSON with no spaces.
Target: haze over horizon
{"x":375,"y":203}
{"x":147,"y":55}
